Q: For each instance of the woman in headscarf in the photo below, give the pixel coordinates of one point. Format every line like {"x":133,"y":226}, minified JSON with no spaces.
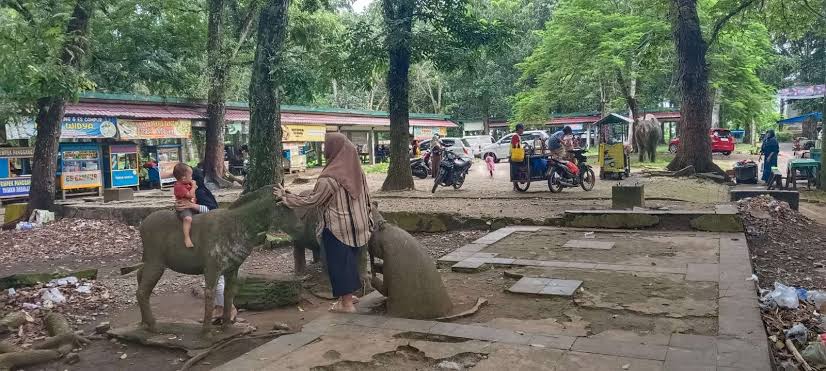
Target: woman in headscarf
{"x":769,"y":150}
{"x":343,"y":204}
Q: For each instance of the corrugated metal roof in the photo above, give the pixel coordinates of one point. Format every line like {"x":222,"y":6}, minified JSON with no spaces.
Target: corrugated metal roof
{"x":160,"y":111}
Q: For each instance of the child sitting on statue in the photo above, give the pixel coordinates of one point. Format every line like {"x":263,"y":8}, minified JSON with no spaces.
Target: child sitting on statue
{"x":184,"y":190}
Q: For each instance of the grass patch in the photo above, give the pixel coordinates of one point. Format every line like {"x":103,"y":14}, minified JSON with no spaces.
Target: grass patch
{"x":377,"y":168}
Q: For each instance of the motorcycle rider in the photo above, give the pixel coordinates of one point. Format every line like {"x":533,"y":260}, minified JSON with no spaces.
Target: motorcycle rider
{"x":558,"y":143}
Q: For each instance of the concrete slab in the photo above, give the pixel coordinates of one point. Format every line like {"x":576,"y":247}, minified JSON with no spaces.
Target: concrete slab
{"x":529,"y":285}
{"x":588,"y":244}
{"x":561,"y":287}
{"x":469,"y":266}
{"x":619,"y":348}
{"x":545,"y":286}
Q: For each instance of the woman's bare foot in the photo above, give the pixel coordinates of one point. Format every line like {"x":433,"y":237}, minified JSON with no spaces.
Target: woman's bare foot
{"x":188,"y":243}
{"x":340,"y":307}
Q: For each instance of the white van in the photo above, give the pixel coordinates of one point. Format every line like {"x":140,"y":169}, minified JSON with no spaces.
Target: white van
{"x":502,"y":148}
{"x":477,"y":142}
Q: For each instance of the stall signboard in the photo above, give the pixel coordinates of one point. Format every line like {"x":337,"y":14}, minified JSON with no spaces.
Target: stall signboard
{"x":88,"y":127}
{"x":15,"y":187}
{"x":303,"y":133}
{"x":428,"y":131}
{"x":20,"y":129}
{"x":124,"y":178}
{"x":155,"y":129}
{"x":80,"y":179}
{"x":15,"y":152}
{"x":72,"y":127}
{"x":165,"y":170}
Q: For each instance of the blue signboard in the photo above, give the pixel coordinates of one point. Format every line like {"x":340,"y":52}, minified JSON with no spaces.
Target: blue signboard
{"x":124,"y":178}
{"x":88,"y":127}
{"x":15,"y":187}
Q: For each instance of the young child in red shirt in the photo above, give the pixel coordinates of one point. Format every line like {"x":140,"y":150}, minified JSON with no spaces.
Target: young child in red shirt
{"x":184,"y":190}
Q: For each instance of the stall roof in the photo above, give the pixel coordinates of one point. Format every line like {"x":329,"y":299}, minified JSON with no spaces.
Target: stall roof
{"x":798,"y":119}
{"x":613,"y":119}
{"x":154,"y":107}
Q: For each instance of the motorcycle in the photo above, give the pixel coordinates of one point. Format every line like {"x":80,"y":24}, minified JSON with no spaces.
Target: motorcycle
{"x":419,"y":168}
{"x":452,"y":171}
{"x":566,"y":174}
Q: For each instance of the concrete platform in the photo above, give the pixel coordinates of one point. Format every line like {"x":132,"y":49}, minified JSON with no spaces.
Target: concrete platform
{"x":737,"y":342}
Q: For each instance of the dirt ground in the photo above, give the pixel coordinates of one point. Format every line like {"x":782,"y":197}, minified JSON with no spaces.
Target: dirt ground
{"x":70,"y":242}
{"x":595,"y":307}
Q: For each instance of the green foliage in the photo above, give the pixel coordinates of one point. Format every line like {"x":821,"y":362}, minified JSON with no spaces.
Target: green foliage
{"x":30,"y":48}
{"x":589,"y":50}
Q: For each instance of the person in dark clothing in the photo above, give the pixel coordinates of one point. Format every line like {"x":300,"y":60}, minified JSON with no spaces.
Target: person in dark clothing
{"x":769,"y":150}
{"x":203,"y":195}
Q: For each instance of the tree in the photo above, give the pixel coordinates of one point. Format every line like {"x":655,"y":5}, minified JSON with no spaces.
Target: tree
{"x":398,"y":17}
{"x":49,"y":82}
{"x":218,"y":65}
{"x":265,"y":97}
{"x":595,"y":50}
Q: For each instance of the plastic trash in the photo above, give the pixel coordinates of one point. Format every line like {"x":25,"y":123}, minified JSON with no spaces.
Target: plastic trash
{"x":11,"y":292}
{"x":53,"y":295}
{"x":30,"y":306}
{"x":802,"y":294}
{"x":798,"y":333}
{"x":24,"y":226}
{"x":815,"y":354}
{"x":65,"y":281}
{"x":818,"y":297}
{"x":752,"y":278}
{"x":41,"y":217}
{"x":784,"y":296}
{"x":84,"y":289}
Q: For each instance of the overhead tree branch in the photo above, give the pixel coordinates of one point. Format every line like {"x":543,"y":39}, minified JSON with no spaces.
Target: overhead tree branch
{"x":21,"y":9}
{"x":718,"y":26}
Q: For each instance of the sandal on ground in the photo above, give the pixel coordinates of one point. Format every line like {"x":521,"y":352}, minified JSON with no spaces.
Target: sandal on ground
{"x":336,"y":308}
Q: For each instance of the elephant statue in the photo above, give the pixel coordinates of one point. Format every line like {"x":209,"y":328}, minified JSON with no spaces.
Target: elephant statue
{"x":647,"y":133}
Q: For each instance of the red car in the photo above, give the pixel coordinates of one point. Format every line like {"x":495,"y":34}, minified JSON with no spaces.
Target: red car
{"x":721,"y":142}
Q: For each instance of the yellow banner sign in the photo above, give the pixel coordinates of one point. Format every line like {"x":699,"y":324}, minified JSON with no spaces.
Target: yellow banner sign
{"x":303,"y":133}
{"x":80,"y":179}
{"x":154,"y":129}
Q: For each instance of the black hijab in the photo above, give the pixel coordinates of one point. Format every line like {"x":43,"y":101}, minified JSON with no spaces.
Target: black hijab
{"x":202,"y":195}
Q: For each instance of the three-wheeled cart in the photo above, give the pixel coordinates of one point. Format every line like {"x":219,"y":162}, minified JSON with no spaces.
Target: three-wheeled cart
{"x":534,"y":168}
{"x":612,"y":132}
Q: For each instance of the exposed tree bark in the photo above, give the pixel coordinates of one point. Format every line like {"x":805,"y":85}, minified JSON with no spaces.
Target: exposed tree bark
{"x":398,"y":18}
{"x":265,"y":100}
{"x":695,"y":110}
{"x":629,"y":91}
{"x":50,"y":112}
{"x":216,"y":106}
{"x":715,"y":110}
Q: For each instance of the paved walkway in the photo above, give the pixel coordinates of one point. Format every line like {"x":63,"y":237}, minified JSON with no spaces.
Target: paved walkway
{"x":718,"y":260}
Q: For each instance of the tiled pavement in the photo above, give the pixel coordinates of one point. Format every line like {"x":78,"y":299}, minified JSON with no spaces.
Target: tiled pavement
{"x":740,"y":344}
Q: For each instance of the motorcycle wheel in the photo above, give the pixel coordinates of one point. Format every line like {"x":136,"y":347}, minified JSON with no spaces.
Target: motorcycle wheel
{"x":554,"y":184}
{"x":459,"y":180}
{"x":587,"y":179}
{"x":437,"y":180}
{"x":420,"y":173}
{"x":521,"y":186}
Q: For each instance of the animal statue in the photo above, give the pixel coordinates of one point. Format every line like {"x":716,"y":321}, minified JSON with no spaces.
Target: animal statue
{"x":223,"y":239}
{"x":410,"y":281}
{"x":647,"y":134}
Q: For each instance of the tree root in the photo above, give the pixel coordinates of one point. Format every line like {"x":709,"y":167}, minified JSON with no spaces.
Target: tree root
{"x":192,"y":361}
{"x":12,"y":321}
{"x":61,"y":341}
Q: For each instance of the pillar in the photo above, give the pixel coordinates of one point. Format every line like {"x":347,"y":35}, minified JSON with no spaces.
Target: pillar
{"x":371,"y":141}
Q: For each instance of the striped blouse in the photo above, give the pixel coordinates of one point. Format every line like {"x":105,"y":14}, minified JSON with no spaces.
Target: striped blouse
{"x":347,"y":218}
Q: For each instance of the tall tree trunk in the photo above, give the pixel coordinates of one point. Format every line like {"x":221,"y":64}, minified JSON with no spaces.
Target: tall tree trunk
{"x":218,"y":70}
{"x":485,"y":113}
{"x":398,"y":18}
{"x":629,"y":90}
{"x":695,"y":110}
{"x":715,"y":110}
{"x":50,"y":112}
{"x":265,"y":102}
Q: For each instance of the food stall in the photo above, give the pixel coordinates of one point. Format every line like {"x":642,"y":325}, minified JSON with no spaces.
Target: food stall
{"x":15,"y":172}
{"x":78,"y":169}
{"x":294,"y":139}
{"x":159,"y":134}
{"x":121,"y":164}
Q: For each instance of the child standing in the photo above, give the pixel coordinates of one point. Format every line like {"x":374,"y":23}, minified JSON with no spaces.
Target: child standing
{"x":184,"y":190}
{"x":490,"y":163}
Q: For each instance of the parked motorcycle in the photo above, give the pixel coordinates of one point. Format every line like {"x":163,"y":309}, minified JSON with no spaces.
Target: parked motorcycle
{"x":419,"y":168}
{"x":566,"y":174}
{"x":452,"y":171}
